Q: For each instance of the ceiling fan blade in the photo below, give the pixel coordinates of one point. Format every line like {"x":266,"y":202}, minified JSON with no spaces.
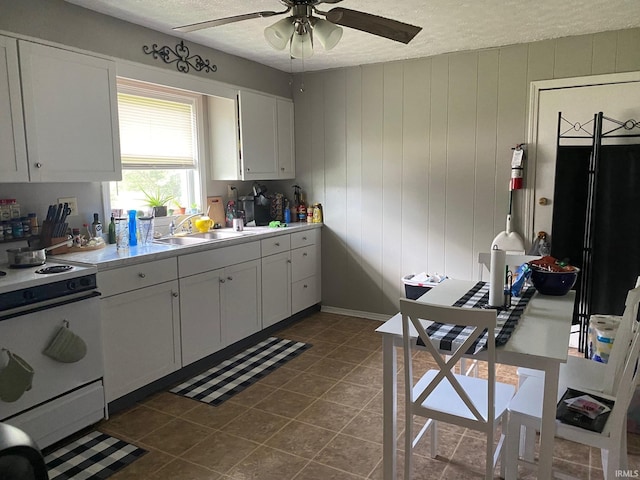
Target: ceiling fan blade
{"x":223,"y":21}
{"x":366,"y":22}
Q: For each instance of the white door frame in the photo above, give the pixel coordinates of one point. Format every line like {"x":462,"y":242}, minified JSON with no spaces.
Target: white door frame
{"x":535,"y":90}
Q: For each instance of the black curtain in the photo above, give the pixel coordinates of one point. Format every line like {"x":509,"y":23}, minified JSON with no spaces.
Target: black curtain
{"x":616,"y":221}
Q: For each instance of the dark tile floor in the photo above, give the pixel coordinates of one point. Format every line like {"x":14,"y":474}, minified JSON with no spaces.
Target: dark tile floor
{"x":319,"y":417}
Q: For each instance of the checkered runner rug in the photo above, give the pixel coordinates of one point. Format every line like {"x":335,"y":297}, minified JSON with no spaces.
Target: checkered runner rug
{"x":94,"y":456}
{"x":237,"y":373}
{"x":452,"y":336}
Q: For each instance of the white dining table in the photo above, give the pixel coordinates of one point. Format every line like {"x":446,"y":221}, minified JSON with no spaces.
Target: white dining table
{"x":539,"y":341}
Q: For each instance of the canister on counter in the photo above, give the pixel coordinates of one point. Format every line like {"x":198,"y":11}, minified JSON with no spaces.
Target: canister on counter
{"x":33,"y":222}
{"x":310,"y":214}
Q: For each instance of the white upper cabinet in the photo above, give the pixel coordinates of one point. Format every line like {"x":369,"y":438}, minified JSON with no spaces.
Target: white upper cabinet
{"x":251,"y":137}
{"x":70,"y":115}
{"x":13,"y":152}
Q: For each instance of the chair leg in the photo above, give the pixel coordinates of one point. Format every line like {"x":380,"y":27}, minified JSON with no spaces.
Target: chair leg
{"x":434,"y":439}
{"x":510,"y":457}
{"x":408,"y":444}
{"x":527,"y":442}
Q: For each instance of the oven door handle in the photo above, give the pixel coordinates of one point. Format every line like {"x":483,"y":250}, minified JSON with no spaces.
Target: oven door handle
{"x":66,"y":300}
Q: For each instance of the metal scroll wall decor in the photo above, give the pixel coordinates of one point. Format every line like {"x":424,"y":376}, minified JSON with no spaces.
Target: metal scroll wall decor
{"x":180,"y":56}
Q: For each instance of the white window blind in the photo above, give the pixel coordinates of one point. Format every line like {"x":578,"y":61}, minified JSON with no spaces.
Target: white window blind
{"x":156,"y":133}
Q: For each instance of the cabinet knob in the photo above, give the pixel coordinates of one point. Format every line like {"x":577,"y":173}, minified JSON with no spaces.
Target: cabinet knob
{"x":304,"y":238}
{"x":248,"y":169}
{"x":229,"y":278}
{"x":277,"y":244}
{"x":142,"y":275}
{"x":282,"y":168}
{"x":38,"y":165}
{"x":288,"y":261}
{"x":222,"y":280}
{"x":305,"y":286}
{"x":304,"y":254}
{"x":174,"y":294}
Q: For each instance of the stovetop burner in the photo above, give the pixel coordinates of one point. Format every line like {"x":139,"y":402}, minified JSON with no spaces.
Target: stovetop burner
{"x":54,"y":269}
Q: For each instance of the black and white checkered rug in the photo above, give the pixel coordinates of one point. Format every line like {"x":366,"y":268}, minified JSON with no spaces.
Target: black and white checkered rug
{"x":240,"y":371}
{"x":94,"y":456}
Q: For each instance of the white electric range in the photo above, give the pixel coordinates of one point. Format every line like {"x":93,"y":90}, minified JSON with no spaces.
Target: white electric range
{"x":46,"y":397}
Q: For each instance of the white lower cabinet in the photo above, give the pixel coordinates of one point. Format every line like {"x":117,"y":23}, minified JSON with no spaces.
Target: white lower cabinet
{"x":305,"y":270}
{"x":276,"y":288}
{"x":141,"y":334}
{"x":241,"y":296}
{"x":220,"y":298}
{"x":200,"y":315}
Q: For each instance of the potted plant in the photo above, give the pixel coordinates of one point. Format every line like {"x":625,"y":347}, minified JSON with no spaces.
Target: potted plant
{"x":158,"y":202}
{"x":179,"y":210}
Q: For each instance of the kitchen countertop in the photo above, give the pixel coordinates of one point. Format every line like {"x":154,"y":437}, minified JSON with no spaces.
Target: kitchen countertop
{"x":109,"y":257}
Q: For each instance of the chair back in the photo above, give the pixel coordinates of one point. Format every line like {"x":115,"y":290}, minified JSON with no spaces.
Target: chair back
{"x":624,"y":336}
{"x":513,"y":261}
{"x":616,"y":423}
{"x":477,"y":322}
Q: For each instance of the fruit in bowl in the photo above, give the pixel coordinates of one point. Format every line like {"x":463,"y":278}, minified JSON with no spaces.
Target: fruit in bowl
{"x":552,"y":277}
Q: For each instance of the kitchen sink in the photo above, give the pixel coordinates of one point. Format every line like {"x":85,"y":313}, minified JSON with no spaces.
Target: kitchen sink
{"x":181,"y":240}
{"x":203,"y":237}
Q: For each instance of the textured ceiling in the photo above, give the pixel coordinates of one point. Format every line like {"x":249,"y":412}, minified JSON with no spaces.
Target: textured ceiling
{"x":448,"y":25}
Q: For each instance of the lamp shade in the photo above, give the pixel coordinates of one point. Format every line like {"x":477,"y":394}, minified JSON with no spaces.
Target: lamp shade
{"x":279,"y":33}
{"x":329,"y":34}
{"x":301,"y":46}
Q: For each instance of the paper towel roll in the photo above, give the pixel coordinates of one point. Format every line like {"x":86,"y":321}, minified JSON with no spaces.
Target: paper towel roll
{"x":496,"y":285}
{"x":600,"y":322}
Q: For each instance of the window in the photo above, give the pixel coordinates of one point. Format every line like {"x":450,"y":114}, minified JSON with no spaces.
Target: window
{"x":159,"y":148}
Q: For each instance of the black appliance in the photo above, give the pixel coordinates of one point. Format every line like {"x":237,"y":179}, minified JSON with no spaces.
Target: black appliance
{"x":20,"y":458}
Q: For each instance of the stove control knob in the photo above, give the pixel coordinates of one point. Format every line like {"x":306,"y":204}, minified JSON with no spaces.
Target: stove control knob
{"x":72,"y":285}
{"x":85,"y":282}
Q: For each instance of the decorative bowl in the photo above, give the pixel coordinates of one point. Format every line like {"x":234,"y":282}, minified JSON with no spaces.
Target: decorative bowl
{"x":553,"y":283}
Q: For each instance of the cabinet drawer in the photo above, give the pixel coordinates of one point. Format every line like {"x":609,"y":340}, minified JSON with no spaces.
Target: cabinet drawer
{"x":303,"y":263}
{"x":142,"y":275}
{"x":201,"y":262}
{"x":304,"y":294}
{"x":302,"y":239}
{"x":273,"y":245}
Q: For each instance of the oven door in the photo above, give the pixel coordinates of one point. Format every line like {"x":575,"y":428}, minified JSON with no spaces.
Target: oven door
{"x":28,"y":333}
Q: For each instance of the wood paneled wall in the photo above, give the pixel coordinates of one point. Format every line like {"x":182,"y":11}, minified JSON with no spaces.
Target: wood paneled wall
{"x":411,"y":159}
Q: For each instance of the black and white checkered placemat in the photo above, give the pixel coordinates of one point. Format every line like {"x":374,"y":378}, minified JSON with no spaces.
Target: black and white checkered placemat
{"x":452,"y":336}
{"x":240,"y":371}
{"x":94,"y":456}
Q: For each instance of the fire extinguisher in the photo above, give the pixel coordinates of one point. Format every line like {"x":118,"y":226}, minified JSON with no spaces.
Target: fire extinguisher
{"x":517,"y":168}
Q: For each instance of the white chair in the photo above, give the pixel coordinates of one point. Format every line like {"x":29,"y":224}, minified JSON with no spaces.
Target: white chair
{"x":441,"y":394}
{"x":583,"y":373}
{"x":525,"y":410}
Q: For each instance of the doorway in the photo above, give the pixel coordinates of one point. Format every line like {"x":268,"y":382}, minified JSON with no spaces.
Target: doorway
{"x":559,"y":189}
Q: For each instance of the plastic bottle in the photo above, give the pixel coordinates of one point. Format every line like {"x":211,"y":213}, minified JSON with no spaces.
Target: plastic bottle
{"x":96,"y":227}
{"x":287,"y":212}
{"x":133,"y":232}
{"x":317,"y":213}
{"x":33,"y":220}
{"x":112,"y":231}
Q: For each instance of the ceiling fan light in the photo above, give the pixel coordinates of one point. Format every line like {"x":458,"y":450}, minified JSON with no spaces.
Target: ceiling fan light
{"x":279,"y":33}
{"x":329,"y":34}
{"x":301,"y":45}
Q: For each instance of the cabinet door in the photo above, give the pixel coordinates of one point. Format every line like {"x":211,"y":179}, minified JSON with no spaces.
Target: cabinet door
{"x":258,"y":136}
{"x":70,"y":114}
{"x":141,"y":337}
{"x":241,"y":301}
{"x":304,"y":262}
{"x":286,"y":144}
{"x":276,"y":288}
{"x":200,"y":327}
{"x":13,"y":153}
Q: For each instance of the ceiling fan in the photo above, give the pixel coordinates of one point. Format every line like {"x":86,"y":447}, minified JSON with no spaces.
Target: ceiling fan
{"x":302,"y":27}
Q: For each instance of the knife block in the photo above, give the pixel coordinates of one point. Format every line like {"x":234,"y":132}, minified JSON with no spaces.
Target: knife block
{"x":59,"y":250}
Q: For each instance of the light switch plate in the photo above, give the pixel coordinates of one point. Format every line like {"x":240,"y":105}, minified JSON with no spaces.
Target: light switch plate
{"x":73,"y":204}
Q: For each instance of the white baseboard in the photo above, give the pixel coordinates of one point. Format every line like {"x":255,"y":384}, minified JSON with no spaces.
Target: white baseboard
{"x":356,"y":313}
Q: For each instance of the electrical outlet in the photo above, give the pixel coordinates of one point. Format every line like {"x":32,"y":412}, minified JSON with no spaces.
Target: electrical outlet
{"x":73,"y":204}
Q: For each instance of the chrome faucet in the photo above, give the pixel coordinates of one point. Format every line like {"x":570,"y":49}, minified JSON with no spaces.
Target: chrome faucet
{"x":173,"y":227}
